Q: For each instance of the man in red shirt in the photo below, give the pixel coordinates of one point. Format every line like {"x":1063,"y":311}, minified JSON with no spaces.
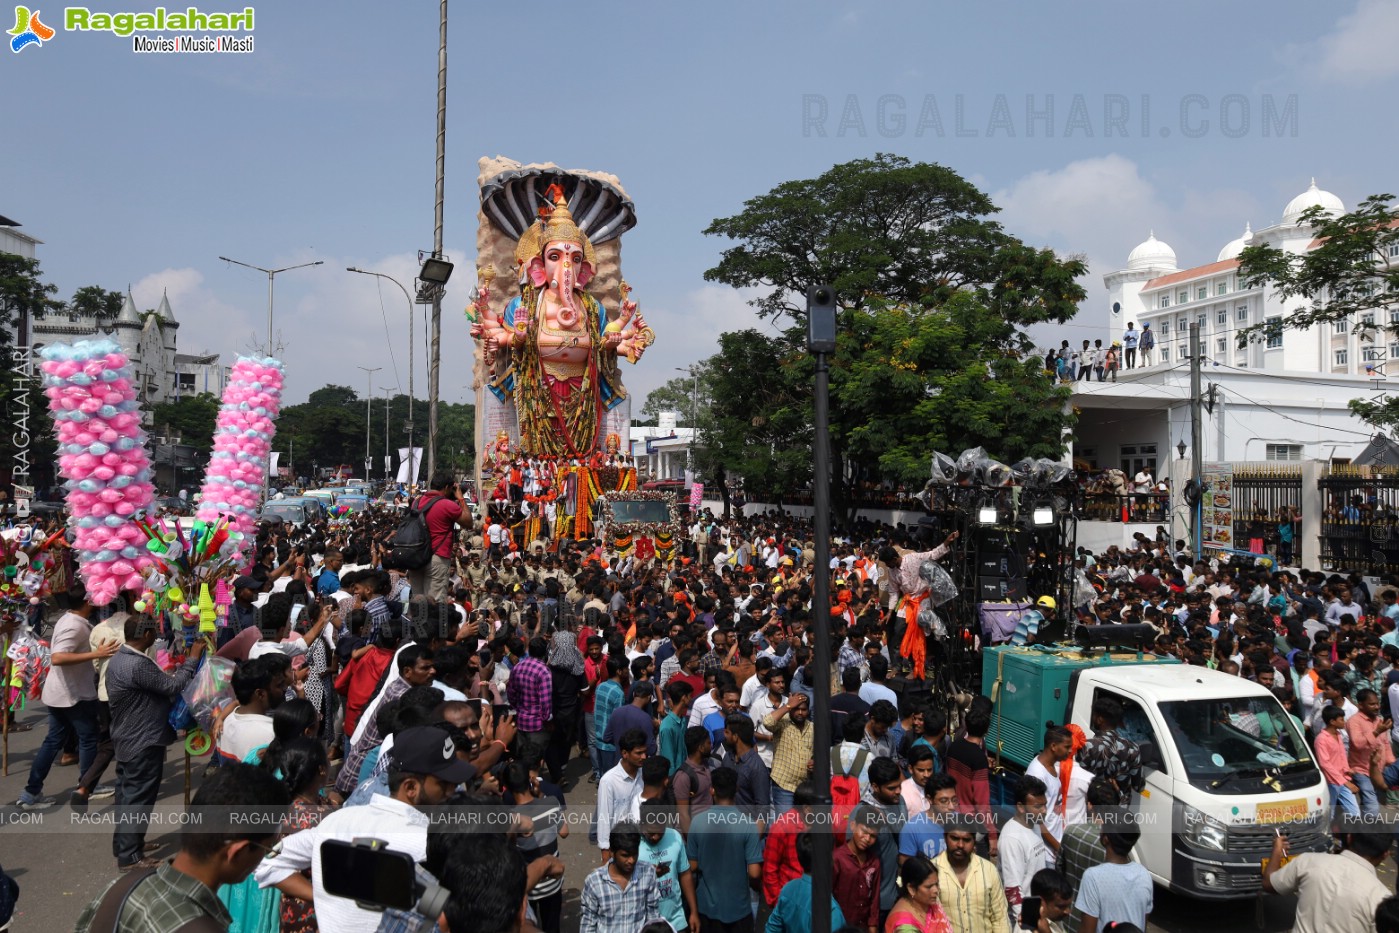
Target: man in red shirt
{"x":780,"y":863}
{"x":445,"y":511}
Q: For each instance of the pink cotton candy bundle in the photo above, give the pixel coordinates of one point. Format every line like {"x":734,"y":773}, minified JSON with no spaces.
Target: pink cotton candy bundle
{"x":242,"y":444}
{"x":102,"y":456}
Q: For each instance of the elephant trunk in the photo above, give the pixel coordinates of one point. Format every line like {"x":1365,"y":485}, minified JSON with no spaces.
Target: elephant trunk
{"x":568,"y":313}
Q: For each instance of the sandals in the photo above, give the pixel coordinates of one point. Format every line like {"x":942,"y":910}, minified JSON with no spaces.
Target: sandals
{"x":140,"y":865}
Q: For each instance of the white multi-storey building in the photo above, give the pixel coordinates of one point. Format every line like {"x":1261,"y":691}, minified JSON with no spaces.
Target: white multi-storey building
{"x":149,"y":340}
{"x":1280,"y":398}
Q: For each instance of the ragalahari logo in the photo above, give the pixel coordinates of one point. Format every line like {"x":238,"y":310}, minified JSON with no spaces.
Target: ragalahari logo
{"x":28,"y":30}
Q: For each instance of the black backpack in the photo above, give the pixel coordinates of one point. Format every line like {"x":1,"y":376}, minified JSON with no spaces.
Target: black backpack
{"x":410,"y":548}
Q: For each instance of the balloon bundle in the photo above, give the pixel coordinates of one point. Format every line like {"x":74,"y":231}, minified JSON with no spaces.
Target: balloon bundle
{"x":102,"y":455}
{"x":185,"y":566}
{"x":242,"y":444}
{"x":339,"y":511}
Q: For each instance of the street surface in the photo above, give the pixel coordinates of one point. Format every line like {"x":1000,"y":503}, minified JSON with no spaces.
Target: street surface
{"x":62,"y":867}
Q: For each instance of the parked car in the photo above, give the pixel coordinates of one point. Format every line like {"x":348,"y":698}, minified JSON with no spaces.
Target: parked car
{"x":355,"y":503}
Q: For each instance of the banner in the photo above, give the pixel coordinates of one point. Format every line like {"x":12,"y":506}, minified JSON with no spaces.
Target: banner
{"x":696,"y":496}
{"x":272,"y":463}
{"x":1217,"y":507}
{"x":410,"y":464}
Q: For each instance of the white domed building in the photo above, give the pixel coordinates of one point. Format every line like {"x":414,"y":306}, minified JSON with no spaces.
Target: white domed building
{"x":1283,"y":397}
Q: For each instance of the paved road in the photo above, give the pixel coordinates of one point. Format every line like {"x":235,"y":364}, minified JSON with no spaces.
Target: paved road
{"x":60,"y":867}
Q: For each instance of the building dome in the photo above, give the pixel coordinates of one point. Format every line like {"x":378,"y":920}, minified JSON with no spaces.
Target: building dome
{"x":1312,"y":197}
{"x":1233,"y":248}
{"x":1153,"y":254}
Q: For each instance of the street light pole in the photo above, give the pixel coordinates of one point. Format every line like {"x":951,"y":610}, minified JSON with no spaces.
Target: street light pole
{"x":821,"y":341}
{"x":386,"y":390}
{"x":271,"y":275}
{"x":409,"y":299}
{"x":694,"y":414}
{"x":368,"y":400}
{"x":435,"y":358}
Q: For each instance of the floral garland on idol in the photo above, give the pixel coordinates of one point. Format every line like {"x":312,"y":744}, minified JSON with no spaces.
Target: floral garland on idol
{"x":102,"y":457}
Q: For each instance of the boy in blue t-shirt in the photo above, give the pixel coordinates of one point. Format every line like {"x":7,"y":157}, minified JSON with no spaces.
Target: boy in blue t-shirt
{"x":663,"y":847}
{"x":922,"y":834}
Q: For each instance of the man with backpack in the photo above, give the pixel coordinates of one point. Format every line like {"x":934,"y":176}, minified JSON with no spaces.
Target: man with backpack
{"x":441,"y":511}
{"x":849,"y":769}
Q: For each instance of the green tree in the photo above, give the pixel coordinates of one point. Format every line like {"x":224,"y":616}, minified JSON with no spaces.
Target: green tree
{"x":684,"y":395}
{"x":1350,"y":276}
{"x":190,"y":418}
{"x":30,"y":440}
{"x":96,"y":302}
{"x":934,"y":298}
{"x":757,"y":428}
{"x":22,"y":291}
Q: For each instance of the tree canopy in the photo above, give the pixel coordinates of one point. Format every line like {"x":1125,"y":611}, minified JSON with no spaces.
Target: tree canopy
{"x":934,"y":298}
{"x":1350,"y":276}
{"x":190,"y":418}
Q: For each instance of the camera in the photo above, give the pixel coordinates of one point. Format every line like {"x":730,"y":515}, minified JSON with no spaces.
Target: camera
{"x":375,"y":877}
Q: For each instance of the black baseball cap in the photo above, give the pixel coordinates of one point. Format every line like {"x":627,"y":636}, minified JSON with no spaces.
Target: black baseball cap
{"x":430,"y":750}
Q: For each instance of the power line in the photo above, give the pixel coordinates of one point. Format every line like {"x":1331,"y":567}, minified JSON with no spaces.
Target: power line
{"x":388,"y":336}
{"x":1310,"y":424}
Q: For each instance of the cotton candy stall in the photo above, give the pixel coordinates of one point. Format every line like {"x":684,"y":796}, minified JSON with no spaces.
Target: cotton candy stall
{"x":102,"y":456}
{"x":242,"y":443}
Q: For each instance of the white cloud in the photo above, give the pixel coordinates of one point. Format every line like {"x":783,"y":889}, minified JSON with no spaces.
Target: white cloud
{"x":1102,"y":208}
{"x":687,"y":331}
{"x":1360,"y":48}
{"x":330,"y":322}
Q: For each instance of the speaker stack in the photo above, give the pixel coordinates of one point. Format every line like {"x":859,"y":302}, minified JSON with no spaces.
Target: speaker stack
{"x":1000,"y":565}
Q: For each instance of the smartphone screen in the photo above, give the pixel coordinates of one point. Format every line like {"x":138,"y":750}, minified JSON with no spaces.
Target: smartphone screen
{"x":383,"y":878}
{"x":1030,"y":913}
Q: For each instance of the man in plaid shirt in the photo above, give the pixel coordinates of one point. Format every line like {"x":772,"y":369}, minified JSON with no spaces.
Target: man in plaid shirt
{"x":530,"y":691}
{"x":182,"y":892}
{"x":623,"y":895}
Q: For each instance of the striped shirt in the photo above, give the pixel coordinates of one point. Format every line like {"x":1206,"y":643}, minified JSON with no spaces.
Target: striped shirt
{"x":977,"y":906}
{"x":609,"y":697}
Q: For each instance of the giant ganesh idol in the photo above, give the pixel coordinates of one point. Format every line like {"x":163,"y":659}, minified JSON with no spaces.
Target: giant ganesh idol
{"x":550,"y":356}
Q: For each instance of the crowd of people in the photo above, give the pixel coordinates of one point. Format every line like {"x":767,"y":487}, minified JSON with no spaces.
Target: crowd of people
{"x":450,"y":711}
{"x":1069,"y":364}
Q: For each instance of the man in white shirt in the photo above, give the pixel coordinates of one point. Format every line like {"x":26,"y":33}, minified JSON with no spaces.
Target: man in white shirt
{"x":276,"y":619}
{"x":1022,"y":849}
{"x":70,"y":694}
{"x":619,"y":790}
{"x":425,"y":772}
{"x":259,"y":686}
{"x":1058,"y":745}
{"x":766,"y":703}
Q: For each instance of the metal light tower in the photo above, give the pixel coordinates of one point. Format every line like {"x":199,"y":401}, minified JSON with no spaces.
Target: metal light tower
{"x":368,"y":401}
{"x":821,"y":341}
{"x":271,"y":275}
{"x":386,"y":390}
{"x":435,"y":359}
{"x":409,"y":298}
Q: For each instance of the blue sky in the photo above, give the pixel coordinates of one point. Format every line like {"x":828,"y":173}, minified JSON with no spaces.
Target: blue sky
{"x":143,"y":169}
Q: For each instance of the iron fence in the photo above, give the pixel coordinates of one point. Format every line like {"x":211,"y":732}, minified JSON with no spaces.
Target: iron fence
{"x":1360,"y":519}
{"x":1266,"y":502}
{"x":1125,"y":507}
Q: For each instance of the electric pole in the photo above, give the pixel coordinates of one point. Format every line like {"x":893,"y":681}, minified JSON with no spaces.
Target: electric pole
{"x":1197,"y":460}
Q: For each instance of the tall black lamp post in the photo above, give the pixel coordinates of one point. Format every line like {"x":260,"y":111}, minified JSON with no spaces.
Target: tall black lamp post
{"x":821,"y":340}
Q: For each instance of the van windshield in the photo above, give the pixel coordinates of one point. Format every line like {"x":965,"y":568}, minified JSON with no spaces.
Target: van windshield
{"x":625,"y":511}
{"x":1222,"y":739}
